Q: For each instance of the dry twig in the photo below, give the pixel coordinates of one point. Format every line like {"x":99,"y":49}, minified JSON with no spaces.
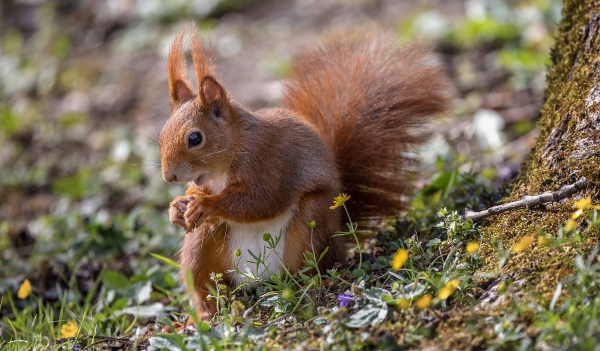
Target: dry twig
{"x":529,"y":201}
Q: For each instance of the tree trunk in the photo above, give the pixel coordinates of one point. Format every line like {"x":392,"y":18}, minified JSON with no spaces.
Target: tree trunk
{"x":568,"y":148}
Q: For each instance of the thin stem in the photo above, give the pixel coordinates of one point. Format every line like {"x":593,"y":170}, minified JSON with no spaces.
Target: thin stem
{"x":353,"y":232}
{"x":315,"y":256}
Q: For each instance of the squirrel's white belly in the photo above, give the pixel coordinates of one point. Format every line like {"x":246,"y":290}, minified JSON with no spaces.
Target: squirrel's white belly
{"x":250,"y":237}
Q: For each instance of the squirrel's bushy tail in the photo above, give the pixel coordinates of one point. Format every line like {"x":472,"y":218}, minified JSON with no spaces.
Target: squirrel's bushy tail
{"x":371,"y":101}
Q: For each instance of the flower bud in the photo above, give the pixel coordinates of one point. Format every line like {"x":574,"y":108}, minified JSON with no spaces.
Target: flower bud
{"x":287,"y":294}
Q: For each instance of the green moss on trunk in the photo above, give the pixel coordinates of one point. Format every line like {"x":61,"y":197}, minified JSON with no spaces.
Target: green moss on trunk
{"x":568,"y":148}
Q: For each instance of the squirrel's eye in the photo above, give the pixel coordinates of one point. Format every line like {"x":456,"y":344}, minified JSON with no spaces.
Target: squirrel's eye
{"x":194,"y":139}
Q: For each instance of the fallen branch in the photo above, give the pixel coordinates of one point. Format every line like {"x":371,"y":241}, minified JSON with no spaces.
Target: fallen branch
{"x":529,"y":201}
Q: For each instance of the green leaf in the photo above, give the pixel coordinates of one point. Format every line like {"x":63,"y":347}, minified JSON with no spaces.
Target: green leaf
{"x":115,"y":280}
{"x":119,"y":304}
{"x":143,"y":294}
{"x":555,"y":297}
{"x":169,"y":281}
{"x":155,"y":310}
{"x":359,"y":273}
{"x":308,"y":264}
{"x":323,"y":253}
{"x":166,"y":260}
{"x":202,"y":326}
{"x":169,"y":342}
{"x":449,"y":259}
{"x":253,"y":255}
{"x":369,"y":314}
{"x":376,"y":295}
{"x":579,"y":263}
{"x":434,"y":242}
{"x":409,"y":291}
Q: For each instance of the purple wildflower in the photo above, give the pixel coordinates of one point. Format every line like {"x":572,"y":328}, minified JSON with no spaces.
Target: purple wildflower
{"x":345,"y":299}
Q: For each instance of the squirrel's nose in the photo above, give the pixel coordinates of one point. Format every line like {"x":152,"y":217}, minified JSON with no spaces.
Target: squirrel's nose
{"x":170,"y":178}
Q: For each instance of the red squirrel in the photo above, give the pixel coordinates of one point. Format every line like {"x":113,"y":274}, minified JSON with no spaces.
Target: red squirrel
{"x":354,"y":110}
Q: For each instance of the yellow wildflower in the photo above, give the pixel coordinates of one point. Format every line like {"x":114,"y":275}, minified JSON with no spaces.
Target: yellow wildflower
{"x":543,"y":240}
{"x":403,"y":303}
{"x":340,"y":200}
{"x":577,"y":214}
{"x":424,"y":302}
{"x":453,"y":284}
{"x":522,"y":245}
{"x":582,"y":205}
{"x":445,"y":293}
{"x":472,"y":247}
{"x":571,"y":224}
{"x":24,"y":289}
{"x":68,"y":330}
{"x":586,"y":203}
{"x":448,"y":289}
{"x":399,"y":259}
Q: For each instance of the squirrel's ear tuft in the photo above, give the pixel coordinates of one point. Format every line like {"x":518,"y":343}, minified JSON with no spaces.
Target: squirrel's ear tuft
{"x":211,"y":92}
{"x":201,"y":55}
{"x":179,"y":85}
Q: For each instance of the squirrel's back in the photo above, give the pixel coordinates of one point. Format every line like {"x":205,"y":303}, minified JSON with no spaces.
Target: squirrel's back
{"x":370,"y":99}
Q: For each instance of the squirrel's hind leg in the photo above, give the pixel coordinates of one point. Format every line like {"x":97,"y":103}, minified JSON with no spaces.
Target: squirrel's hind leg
{"x":301,"y":238}
{"x":204,"y":252}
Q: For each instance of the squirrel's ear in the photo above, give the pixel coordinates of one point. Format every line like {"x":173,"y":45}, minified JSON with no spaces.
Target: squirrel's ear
{"x":180,"y":92}
{"x":211,"y":92}
{"x":179,"y":85}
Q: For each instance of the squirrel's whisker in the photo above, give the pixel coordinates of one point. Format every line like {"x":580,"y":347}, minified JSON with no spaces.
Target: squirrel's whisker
{"x":216,"y":152}
{"x":153,"y":139}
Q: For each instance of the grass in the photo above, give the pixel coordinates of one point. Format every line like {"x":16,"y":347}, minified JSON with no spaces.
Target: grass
{"x":363,"y":306}
{"x":103,"y":273}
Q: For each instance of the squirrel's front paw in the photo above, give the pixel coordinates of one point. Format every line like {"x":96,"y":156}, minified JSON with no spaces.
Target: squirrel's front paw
{"x":195,"y":214}
{"x":177,"y":209}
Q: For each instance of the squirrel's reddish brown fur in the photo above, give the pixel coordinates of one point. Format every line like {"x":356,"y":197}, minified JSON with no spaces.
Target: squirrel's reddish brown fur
{"x":355,"y":109}
{"x":370,"y":100}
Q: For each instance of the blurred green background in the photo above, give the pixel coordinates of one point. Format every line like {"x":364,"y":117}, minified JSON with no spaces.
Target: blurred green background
{"x":83,"y":95}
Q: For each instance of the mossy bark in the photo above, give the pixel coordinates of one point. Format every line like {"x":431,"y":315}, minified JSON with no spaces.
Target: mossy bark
{"x":568,"y":147}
